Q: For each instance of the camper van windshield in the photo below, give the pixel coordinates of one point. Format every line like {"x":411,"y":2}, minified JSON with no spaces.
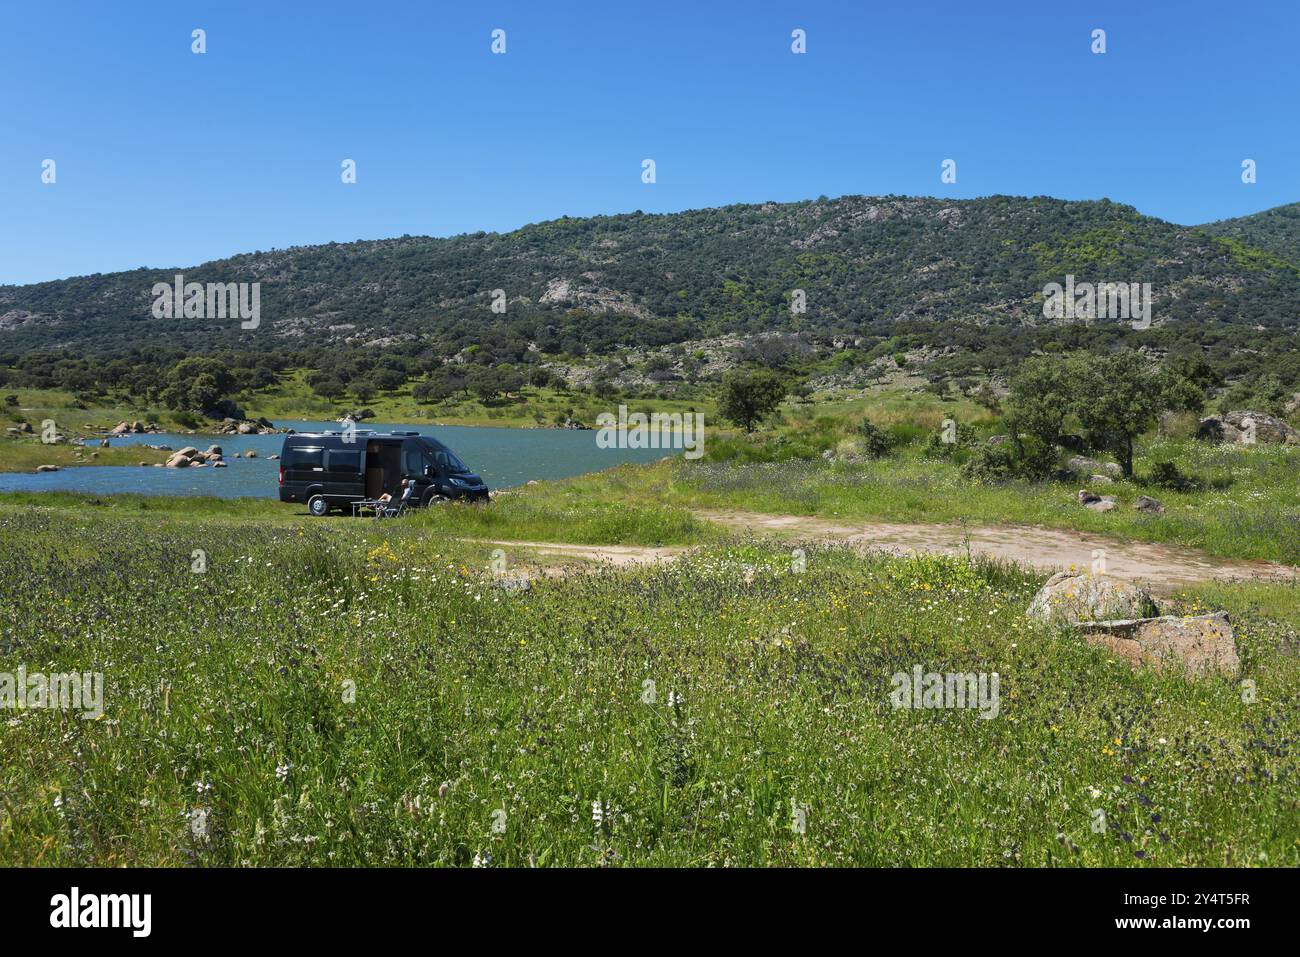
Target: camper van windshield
{"x":444,"y":458}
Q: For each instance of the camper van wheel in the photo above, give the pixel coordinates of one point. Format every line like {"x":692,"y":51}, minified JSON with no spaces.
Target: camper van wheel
{"x":433,"y":498}
{"x":317,"y":505}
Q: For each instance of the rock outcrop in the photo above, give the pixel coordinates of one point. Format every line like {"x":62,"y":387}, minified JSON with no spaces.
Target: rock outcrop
{"x":1117,"y":615}
{"x":1098,"y":503}
{"x":1083,"y":466}
{"x":1069,"y":597}
{"x":1247,"y":428}
{"x":1200,"y":645}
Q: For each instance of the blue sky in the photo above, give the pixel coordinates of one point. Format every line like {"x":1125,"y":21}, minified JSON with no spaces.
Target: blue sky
{"x":167,"y":158}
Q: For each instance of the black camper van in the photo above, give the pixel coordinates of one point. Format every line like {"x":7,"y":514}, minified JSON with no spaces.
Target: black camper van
{"x":333,"y":469}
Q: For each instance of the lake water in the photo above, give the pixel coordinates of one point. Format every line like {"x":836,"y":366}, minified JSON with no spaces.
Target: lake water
{"x":504,"y":457}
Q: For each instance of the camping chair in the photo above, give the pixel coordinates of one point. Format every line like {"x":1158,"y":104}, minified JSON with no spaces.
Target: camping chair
{"x":395,"y":507}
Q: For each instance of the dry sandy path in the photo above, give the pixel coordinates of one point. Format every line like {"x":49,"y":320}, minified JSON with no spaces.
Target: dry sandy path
{"x":1163,"y":568}
{"x":617,"y":555}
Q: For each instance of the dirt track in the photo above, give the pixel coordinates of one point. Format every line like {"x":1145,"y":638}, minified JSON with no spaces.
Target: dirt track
{"x":1163,"y":568}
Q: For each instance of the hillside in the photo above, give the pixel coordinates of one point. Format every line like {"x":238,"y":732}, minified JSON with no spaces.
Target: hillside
{"x":590,"y":285}
{"x":1276,"y":231}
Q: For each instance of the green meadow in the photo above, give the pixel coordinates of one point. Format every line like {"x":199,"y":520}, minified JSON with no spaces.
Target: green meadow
{"x":332,"y":692}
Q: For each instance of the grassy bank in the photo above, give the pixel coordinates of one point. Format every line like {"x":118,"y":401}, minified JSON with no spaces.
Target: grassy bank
{"x":548,"y":514}
{"x":26,"y":454}
{"x":360,"y":693}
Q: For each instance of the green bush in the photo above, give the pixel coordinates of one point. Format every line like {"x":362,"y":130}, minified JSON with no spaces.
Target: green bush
{"x":958,"y":450}
{"x":876,"y":443}
{"x":1168,"y":475}
{"x":1031,"y":458}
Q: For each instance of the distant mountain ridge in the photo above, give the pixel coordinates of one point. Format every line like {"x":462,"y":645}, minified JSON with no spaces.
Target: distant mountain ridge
{"x":593,"y":284}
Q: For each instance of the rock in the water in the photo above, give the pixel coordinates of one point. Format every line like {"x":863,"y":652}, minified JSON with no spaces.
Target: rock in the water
{"x":218,"y":464}
{"x":178,"y":461}
{"x":250,"y":454}
{"x":1082,"y":596}
{"x":47,"y":468}
{"x":1145,"y":503}
{"x":1199,"y":645}
{"x":189,"y":451}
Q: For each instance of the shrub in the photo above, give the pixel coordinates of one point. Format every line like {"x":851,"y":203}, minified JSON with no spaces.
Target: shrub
{"x":1030,"y":459}
{"x":1167,"y":475}
{"x":964,"y":440}
{"x":876,"y":443}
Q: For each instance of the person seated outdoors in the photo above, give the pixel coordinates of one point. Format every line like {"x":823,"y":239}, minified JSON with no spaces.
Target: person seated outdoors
{"x":387,"y":502}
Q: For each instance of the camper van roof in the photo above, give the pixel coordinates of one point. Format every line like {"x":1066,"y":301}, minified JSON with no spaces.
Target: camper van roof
{"x":355,"y":432}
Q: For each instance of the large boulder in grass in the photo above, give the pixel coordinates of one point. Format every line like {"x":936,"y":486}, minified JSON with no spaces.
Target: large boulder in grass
{"x":1069,"y":597}
{"x":1267,"y":428}
{"x":1246,"y":427}
{"x":1098,"y":503}
{"x":1083,"y":466}
{"x":1198,"y":646}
